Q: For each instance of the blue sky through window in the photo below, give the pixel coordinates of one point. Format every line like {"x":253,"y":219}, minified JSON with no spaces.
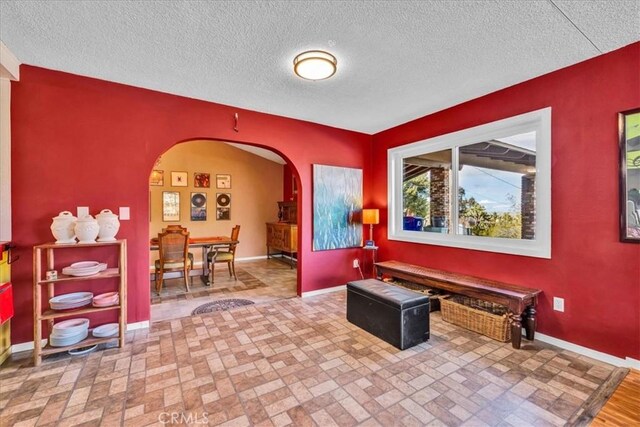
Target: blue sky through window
{"x":492,"y":188}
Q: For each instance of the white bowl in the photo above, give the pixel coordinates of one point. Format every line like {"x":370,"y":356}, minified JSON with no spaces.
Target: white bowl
{"x":84,"y":268}
{"x":70,"y":327}
{"x":72,"y":300}
{"x":82,"y":350}
{"x":84,"y":264}
{"x":107,"y":330}
{"x":65,"y":341}
{"x":73,"y":297}
{"x":89,"y":271}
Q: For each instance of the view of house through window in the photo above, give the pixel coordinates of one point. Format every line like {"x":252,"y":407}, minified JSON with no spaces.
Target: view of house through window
{"x":426,"y":188}
{"x":495,"y":189}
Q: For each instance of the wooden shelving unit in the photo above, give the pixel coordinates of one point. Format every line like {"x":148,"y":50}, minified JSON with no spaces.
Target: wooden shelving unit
{"x":46,"y":252}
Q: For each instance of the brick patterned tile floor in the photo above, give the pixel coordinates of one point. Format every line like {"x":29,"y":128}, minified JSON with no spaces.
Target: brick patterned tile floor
{"x":298,"y":362}
{"x":258,"y":281}
{"x":251,"y":275}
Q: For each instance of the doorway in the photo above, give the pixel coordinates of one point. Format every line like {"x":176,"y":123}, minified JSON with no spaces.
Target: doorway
{"x":208,"y":187}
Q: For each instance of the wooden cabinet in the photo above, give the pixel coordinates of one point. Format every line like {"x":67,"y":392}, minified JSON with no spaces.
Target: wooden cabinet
{"x":282,"y":237}
{"x":288,"y":212}
{"x":115,"y":273}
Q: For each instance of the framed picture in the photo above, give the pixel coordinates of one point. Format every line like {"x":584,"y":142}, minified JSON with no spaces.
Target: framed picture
{"x":337,"y":200}
{"x":170,"y":206}
{"x":223,"y":206}
{"x":179,"y":179}
{"x":223,"y":214}
{"x":198,"y":206}
{"x":223,"y":181}
{"x":156,"y":177}
{"x":202,"y":180}
{"x":629,"y":130}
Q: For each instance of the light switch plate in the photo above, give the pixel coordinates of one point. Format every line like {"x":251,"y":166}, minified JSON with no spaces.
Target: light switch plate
{"x":82,"y":211}
{"x":558,"y":304}
{"x":124,"y":213}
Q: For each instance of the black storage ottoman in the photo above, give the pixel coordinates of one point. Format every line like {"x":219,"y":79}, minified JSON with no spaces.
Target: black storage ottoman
{"x":395,"y":315}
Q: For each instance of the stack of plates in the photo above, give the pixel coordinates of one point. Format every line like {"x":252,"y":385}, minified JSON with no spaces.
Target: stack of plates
{"x":106,"y":300}
{"x":84,"y":268}
{"x":69,"y":332}
{"x":108,"y":330}
{"x":71,"y":301}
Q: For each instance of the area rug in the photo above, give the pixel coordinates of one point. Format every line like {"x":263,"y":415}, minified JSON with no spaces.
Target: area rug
{"x":221,"y":305}
{"x":590,"y":408}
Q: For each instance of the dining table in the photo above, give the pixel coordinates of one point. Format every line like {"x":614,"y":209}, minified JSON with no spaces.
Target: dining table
{"x":208,"y":244}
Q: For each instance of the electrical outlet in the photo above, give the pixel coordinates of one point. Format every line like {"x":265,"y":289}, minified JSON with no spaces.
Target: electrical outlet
{"x":356,"y":263}
{"x":558,"y":304}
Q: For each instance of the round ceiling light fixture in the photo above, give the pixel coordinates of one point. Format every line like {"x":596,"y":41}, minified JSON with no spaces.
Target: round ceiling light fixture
{"x":315,"y":65}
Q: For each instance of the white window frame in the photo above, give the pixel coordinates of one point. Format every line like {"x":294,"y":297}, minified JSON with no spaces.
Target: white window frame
{"x":540,"y":247}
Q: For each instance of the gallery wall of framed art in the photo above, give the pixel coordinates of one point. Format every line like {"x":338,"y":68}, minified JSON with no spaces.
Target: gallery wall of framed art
{"x":225,"y":186}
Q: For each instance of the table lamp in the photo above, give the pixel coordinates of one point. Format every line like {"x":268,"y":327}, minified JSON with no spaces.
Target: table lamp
{"x":370,"y":216}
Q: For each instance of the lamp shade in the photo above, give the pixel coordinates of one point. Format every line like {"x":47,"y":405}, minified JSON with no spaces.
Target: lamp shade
{"x":370,"y":216}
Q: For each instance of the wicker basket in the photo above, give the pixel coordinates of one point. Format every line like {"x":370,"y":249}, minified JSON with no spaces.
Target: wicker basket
{"x":456,"y":310}
{"x":433,"y":294}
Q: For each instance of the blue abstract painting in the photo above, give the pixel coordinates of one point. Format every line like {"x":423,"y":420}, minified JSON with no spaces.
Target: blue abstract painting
{"x":337,"y":207}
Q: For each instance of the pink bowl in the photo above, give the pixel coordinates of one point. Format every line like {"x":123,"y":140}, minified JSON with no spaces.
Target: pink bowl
{"x":107,"y":299}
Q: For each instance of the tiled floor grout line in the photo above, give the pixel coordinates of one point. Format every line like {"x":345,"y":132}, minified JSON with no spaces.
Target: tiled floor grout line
{"x":305,"y":343}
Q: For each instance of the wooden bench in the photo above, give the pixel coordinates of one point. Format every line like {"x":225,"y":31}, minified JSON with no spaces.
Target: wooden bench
{"x":520,"y":301}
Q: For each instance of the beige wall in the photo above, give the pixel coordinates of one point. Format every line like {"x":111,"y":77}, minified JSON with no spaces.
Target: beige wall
{"x":256,"y":187}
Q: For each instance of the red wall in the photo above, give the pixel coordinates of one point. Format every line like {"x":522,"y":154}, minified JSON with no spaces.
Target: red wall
{"x":78,"y":141}
{"x":596,"y":274}
{"x":83,"y":142}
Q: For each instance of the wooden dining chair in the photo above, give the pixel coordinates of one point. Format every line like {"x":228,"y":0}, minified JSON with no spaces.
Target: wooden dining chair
{"x":173,"y":244}
{"x":225,"y":254}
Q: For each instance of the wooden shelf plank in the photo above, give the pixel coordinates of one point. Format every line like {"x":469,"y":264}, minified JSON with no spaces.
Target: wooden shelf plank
{"x":90,"y":340}
{"x":79,"y":245}
{"x":106,"y":274}
{"x":52,"y":314}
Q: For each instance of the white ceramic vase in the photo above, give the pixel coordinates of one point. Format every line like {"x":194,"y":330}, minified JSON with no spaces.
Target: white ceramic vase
{"x":63,"y":228}
{"x":109,"y":225}
{"x":87,"y":229}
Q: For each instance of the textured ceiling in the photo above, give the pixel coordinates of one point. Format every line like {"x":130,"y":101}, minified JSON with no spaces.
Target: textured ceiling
{"x":397,"y":60}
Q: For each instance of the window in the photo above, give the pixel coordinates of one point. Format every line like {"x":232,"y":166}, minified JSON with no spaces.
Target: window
{"x":486,"y":188}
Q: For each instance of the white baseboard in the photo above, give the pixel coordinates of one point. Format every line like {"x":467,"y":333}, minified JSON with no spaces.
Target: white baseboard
{"x":138,"y":325}
{"x":152,"y":268}
{"x":585,"y":351}
{"x":27,"y":346}
{"x":632,"y":363}
{"x":324,"y":291}
{"x":251,"y":258}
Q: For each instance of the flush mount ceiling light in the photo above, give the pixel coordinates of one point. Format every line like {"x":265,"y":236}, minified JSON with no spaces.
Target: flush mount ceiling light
{"x":315,"y":65}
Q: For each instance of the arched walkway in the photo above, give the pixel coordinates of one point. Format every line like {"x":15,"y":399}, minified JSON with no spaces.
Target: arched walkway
{"x":250,"y":181}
